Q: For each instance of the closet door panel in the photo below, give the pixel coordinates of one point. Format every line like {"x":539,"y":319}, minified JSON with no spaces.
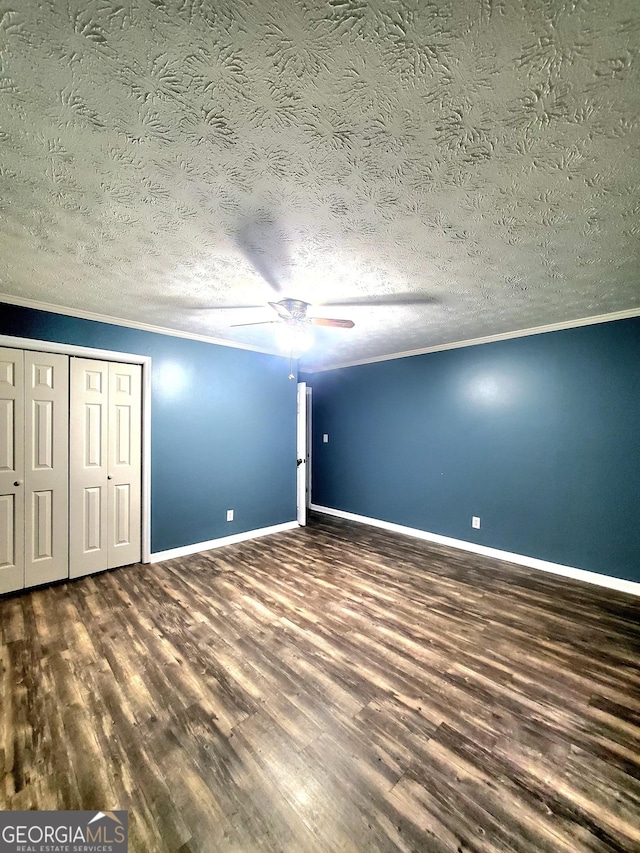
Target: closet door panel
{"x":46,"y":467}
{"x":12,"y":489}
{"x":88,"y":466}
{"x":124,"y":484}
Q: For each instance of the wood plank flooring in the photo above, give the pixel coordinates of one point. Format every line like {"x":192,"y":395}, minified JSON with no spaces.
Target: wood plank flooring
{"x":328,"y":690}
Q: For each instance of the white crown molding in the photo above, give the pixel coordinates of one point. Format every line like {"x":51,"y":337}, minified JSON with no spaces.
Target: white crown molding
{"x":503,"y":336}
{"x":220,"y":543}
{"x":130,"y":324}
{"x":618,"y":584}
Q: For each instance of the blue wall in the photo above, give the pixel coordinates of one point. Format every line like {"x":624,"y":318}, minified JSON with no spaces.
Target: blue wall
{"x":223,"y":427}
{"x":539,"y":436}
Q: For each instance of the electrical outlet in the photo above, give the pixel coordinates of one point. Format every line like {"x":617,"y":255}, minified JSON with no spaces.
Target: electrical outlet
{"x":229,"y":515}
{"x":475,"y":521}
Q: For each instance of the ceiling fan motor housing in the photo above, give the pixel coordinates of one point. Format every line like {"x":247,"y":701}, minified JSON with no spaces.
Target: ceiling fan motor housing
{"x":296,"y":308}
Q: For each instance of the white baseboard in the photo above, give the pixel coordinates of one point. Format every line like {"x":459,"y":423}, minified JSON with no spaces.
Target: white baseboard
{"x":619,"y":584}
{"x":185,"y":550}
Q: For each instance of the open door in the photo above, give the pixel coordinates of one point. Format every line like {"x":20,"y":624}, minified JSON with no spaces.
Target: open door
{"x":309,"y":446}
{"x":301,"y":450}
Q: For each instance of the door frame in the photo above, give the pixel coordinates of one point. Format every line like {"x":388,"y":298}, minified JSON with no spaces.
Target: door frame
{"x":309,"y":442}
{"x":127,"y":358}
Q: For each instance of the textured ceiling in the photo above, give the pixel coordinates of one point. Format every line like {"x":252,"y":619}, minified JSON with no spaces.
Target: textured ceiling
{"x":162,"y":158}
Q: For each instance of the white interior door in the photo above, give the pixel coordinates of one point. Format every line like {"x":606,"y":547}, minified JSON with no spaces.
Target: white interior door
{"x":301,"y":450}
{"x":46,"y":442}
{"x":88,"y":433}
{"x":11,"y":469}
{"x":124,"y":464}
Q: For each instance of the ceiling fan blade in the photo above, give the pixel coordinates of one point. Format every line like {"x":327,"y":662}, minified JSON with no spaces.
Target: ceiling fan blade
{"x":325,"y":321}
{"x":186,"y":304}
{"x":386,"y":299}
{"x":223,"y":307}
{"x":262,"y":243}
{"x":282,"y":310}
{"x":258,"y":323}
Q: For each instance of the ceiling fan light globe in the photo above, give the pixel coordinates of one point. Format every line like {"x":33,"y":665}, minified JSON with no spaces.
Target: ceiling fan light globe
{"x":294,"y":338}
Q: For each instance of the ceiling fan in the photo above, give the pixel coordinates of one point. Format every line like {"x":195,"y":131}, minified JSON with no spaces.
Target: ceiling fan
{"x":261,"y":242}
{"x":294,"y":324}
{"x":294,"y":313}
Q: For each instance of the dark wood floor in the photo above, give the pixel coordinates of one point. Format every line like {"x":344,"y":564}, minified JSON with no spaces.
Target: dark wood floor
{"x":334,"y":688}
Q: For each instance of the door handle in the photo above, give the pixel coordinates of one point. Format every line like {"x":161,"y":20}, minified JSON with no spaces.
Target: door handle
{"x":299,"y":462}
{"x":18,"y":483}
{"x":109,"y":477}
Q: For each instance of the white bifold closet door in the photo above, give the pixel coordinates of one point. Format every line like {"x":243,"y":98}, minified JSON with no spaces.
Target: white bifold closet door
{"x":34,"y":419}
{"x":104,"y":465}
